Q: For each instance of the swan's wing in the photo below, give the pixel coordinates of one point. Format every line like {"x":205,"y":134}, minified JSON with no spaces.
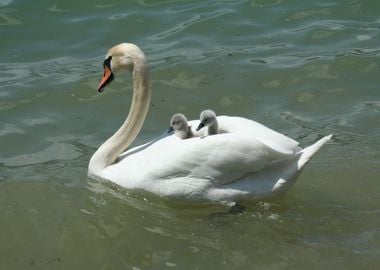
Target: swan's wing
{"x":219,"y":159}
{"x":271,"y":138}
{"x":141,"y":147}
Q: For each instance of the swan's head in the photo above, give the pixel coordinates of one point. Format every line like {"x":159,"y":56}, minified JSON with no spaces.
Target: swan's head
{"x":207,"y":118}
{"x":179,"y":122}
{"x":122,"y":57}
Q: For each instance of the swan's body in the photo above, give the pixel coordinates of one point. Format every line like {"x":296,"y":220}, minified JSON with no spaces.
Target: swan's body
{"x":208,"y":119}
{"x":180,"y":126}
{"x":248,"y":160}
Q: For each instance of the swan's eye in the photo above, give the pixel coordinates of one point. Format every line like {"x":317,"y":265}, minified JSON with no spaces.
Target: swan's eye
{"x":107,"y":62}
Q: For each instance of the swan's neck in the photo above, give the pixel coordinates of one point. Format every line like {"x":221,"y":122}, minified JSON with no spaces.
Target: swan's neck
{"x":109,"y":151}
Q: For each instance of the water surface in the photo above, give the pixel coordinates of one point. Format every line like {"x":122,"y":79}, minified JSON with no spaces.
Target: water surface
{"x":305,"y":69}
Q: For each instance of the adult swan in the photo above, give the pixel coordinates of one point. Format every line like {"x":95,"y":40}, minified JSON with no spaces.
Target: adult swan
{"x":247,"y":160}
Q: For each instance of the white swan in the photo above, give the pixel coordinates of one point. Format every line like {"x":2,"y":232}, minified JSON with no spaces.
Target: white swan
{"x":208,"y":119}
{"x":249,"y":161}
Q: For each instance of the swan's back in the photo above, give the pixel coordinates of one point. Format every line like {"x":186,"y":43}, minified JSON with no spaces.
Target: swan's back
{"x":269,"y":137}
{"x":248,"y":160}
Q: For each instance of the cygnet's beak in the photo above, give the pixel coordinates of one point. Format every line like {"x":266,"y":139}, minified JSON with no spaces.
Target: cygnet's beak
{"x":170,"y":130}
{"x":201,"y":125}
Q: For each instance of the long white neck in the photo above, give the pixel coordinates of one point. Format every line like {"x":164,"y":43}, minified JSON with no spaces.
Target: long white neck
{"x":109,"y":151}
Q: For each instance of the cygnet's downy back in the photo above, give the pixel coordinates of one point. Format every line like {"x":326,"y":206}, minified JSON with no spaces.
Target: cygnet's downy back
{"x":208,"y":119}
{"x":180,"y":126}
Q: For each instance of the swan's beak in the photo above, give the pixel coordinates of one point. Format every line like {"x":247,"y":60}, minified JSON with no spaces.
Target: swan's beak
{"x":107,"y":78}
{"x":201,"y":125}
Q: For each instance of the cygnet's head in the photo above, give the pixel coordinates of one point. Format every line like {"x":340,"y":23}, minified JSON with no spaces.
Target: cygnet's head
{"x":180,"y":126}
{"x":207,"y":118}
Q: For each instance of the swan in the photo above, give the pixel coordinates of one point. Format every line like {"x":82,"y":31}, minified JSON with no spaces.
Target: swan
{"x":208,"y":119}
{"x":247,"y":161}
{"x":180,"y":126}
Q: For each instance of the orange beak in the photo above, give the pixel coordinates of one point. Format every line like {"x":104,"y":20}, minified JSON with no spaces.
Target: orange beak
{"x":107,"y":78}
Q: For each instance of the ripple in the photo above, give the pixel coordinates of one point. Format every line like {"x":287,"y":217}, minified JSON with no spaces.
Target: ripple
{"x":232,"y":100}
{"x":320,"y":34}
{"x":56,"y":151}
{"x":184,"y":81}
{"x":305,"y":97}
{"x":287,"y":60}
{"x":4,"y":105}
{"x":37,"y":121}
{"x":358,"y":52}
{"x":194,"y":55}
{"x":5,"y":2}
{"x":193,"y":5}
{"x":7,"y":19}
{"x":309,"y":13}
{"x":10,"y":129}
{"x":262,"y":3}
{"x":321,"y":71}
{"x":196,"y":19}
{"x":58,"y":70}
{"x":373,"y":105}
{"x":150,"y":3}
{"x":283,"y":61}
{"x":57,"y":9}
{"x":335,"y":25}
{"x":363,"y":37}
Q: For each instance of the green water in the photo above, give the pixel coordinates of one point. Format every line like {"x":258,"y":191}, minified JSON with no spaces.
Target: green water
{"x":304,"y":68}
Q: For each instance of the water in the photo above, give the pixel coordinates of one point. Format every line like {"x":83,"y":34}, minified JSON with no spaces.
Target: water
{"x":305,"y":68}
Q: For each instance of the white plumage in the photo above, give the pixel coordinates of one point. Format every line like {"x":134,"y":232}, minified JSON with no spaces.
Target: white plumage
{"x":248,"y":160}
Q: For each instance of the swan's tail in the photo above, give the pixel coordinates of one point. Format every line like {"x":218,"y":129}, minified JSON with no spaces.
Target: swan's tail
{"x":308,"y":152}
